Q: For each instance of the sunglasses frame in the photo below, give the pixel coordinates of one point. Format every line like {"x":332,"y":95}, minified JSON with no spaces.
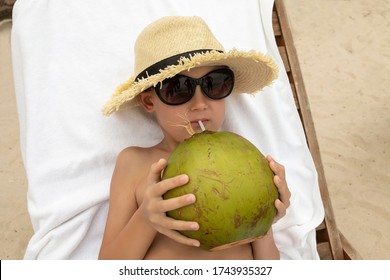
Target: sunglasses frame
{"x":197,"y":82}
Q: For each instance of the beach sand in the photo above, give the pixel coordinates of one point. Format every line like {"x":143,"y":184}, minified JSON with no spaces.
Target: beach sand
{"x":15,"y":226}
{"x":344,"y":52}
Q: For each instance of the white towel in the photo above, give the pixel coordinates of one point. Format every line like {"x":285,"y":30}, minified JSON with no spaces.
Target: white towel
{"x":69,"y":56}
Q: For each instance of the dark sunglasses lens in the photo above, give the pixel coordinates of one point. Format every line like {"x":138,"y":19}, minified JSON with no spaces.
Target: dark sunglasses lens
{"x":218,"y":84}
{"x":178,"y":90}
{"x":175,"y":91}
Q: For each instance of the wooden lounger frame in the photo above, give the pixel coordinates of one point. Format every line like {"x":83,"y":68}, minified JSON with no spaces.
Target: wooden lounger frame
{"x":331,"y":243}
{"x":6,"y":9}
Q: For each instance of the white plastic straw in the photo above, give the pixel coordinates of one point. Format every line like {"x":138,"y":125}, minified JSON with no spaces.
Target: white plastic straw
{"x":201,"y":125}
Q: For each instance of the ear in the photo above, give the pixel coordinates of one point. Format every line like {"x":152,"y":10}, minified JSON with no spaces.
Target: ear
{"x":146,"y":99}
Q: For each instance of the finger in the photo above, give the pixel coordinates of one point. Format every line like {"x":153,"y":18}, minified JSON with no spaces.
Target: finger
{"x":178,"y":237}
{"x":173,"y":224}
{"x":281,"y":209}
{"x":284,"y":192}
{"x":169,"y":227}
{"x":176,"y":202}
{"x":154,"y":175}
{"x":277,"y":168}
{"x":165,"y":185}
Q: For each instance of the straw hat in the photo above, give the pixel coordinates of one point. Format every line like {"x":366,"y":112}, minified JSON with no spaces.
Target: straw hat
{"x":173,"y":44}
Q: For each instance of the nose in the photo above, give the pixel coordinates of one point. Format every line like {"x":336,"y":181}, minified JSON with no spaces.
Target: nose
{"x":198,"y":101}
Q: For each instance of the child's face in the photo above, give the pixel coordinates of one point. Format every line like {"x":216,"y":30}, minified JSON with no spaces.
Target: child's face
{"x":173,"y":119}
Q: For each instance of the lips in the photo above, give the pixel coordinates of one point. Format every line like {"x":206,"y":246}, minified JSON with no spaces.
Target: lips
{"x":195,"y":123}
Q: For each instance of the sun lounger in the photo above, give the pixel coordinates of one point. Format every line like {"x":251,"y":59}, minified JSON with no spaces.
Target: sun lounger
{"x":68,"y":190}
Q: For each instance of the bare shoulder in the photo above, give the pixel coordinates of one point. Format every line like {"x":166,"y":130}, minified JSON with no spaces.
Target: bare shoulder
{"x":131,"y":164}
{"x":139,"y":157}
{"x":132,"y":156}
{"x":128,"y":178}
{"x":132,"y":168}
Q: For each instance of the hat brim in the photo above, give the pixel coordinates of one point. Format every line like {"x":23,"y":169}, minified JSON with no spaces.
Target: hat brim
{"x":253,"y":71}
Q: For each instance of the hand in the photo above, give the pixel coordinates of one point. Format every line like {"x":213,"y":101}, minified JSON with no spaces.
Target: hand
{"x":154,"y":206}
{"x":283,"y":202}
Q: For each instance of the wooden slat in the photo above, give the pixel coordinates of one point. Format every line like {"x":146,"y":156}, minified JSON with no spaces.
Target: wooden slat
{"x":324,"y":251}
{"x":349,"y":251}
{"x":322,"y":235}
{"x":6,"y":9}
{"x":294,"y":92}
{"x":321,"y":226}
{"x":275,"y":24}
{"x":283,"y":54}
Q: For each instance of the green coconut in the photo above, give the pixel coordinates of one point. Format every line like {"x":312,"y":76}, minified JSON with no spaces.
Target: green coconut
{"x":233,"y":185}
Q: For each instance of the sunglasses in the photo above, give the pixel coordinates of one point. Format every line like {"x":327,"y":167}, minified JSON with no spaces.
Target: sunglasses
{"x":179,"y":89}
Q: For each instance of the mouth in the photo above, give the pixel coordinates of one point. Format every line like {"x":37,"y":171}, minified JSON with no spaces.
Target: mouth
{"x":197,"y":125}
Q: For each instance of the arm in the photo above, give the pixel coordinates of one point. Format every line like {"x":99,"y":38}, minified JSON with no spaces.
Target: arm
{"x":265,"y":248}
{"x":127,"y":234}
{"x":130,"y":230}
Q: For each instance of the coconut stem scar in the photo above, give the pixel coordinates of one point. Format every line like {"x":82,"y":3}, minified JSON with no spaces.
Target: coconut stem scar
{"x":201,"y":125}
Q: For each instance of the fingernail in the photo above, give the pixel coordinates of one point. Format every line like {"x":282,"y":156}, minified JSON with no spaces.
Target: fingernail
{"x":183,"y":178}
{"x":195,"y":226}
{"x":191,"y":198}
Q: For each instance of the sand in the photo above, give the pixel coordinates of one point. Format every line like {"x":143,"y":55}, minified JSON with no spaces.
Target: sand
{"x":15,"y":226}
{"x":344,"y":52}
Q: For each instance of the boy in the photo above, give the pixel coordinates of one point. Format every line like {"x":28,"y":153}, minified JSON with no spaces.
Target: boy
{"x":183,"y":76}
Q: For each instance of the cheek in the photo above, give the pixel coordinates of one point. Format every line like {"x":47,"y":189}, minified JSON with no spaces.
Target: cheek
{"x":219,"y":113}
{"x":168,"y":116}
{"x":172,"y":123}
